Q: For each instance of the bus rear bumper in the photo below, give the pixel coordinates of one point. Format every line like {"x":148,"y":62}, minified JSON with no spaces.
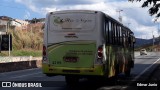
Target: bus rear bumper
{"x":51,"y":70}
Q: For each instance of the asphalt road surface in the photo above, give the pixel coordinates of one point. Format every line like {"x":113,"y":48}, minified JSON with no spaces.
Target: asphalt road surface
{"x":144,"y":66}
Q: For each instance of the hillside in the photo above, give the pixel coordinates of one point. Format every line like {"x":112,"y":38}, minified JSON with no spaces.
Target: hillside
{"x":141,"y":42}
{"x":147,"y":43}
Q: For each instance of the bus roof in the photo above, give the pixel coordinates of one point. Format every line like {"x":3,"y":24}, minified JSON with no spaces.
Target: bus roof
{"x":91,"y":11}
{"x":74,"y":11}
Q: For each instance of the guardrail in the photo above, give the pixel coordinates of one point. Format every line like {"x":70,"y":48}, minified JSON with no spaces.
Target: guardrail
{"x":136,"y":54}
{"x":23,"y":62}
{"x":19,"y":63}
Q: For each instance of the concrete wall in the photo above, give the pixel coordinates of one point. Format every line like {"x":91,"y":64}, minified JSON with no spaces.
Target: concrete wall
{"x":20,"y":65}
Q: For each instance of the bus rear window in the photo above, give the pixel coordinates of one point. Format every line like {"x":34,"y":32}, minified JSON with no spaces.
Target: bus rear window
{"x":72,"y":22}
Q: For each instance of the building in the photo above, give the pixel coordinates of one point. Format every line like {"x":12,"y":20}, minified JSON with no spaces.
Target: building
{"x":8,"y":23}
{"x":21,"y":24}
{"x":4,"y":20}
{"x":3,"y":25}
{"x":15,"y":23}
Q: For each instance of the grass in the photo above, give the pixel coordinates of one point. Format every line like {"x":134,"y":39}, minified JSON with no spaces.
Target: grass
{"x":25,"y":43}
{"x":27,"y":53}
{"x":34,"y":53}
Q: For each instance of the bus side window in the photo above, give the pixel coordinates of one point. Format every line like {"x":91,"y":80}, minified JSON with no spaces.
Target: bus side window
{"x":113,"y":35}
{"x":110,"y":33}
{"x":121,"y":38}
{"x":104,"y":30}
{"x":126,"y":38}
{"x":130,"y":41}
{"x":118,"y":36}
{"x":107,"y":31}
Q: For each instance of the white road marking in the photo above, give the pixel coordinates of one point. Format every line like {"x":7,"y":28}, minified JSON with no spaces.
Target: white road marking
{"x":145,"y":70}
{"x":140,"y":74}
{"x":26,"y":75}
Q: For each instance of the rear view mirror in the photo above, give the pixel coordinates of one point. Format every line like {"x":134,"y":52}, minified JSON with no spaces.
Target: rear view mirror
{"x":130,"y":40}
{"x":134,"y":40}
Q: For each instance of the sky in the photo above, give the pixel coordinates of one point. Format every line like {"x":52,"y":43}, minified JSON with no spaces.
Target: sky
{"x":133,"y":16}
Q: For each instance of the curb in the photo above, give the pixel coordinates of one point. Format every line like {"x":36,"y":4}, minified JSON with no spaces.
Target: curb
{"x":21,"y":65}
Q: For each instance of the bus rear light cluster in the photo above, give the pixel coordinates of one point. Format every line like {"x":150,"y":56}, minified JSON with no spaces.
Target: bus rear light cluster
{"x":44,"y":53}
{"x":44,"y":50}
{"x":100,"y":52}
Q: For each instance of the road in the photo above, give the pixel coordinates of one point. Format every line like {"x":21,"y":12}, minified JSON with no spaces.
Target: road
{"x":144,"y":65}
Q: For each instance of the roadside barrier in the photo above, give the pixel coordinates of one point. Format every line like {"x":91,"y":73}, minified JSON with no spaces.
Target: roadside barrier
{"x":8,"y":64}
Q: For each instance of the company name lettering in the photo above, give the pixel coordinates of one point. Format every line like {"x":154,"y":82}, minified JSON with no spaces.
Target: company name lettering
{"x":77,"y":20}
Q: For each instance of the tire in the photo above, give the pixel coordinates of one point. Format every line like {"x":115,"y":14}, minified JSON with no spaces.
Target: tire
{"x":49,"y":75}
{"x":128,"y":72}
{"x":71,"y":80}
{"x":117,"y":70}
{"x":132,"y":64}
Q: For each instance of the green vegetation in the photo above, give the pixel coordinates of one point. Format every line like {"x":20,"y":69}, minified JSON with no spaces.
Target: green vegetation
{"x":27,"y":53}
{"x":153,"y":6}
{"x":23,"y":53}
{"x":25,"y":43}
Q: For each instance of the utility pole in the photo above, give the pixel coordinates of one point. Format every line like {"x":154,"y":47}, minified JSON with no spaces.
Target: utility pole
{"x":157,"y":21}
{"x":7,"y":33}
{"x":158,"y":33}
{"x":128,"y":24}
{"x":153,"y":42}
{"x":120,"y":17}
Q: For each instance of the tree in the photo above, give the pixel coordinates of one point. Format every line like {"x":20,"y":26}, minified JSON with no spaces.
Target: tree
{"x":153,"y":10}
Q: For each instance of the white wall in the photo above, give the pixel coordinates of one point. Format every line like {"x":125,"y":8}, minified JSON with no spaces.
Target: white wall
{"x":2,"y":22}
{"x":14,"y":23}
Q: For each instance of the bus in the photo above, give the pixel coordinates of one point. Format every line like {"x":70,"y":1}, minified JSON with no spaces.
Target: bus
{"x":86,"y":43}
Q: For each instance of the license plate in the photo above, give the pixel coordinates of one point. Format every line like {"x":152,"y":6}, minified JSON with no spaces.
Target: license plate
{"x":70,"y":59}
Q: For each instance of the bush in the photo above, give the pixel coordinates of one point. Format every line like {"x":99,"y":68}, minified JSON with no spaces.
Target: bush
{"x":26,"y":40}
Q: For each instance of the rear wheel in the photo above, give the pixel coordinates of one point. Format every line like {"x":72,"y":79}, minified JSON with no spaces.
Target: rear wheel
{"x":49,"y":75}
{"x":132,"y":64}
{"x":129,"y":66}
{"x":128,"y":72}
{"x":71,"y":80}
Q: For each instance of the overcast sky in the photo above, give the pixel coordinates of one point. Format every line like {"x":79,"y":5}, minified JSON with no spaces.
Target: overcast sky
{"x":137,"y":18}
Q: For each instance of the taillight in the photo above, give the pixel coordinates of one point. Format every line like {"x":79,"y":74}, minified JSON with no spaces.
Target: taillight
{"x":44,"y":50}
{"x":100,"y":52}
{"x":44,"y":54}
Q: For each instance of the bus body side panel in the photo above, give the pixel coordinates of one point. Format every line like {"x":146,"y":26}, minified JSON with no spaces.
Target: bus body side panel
{"x":118,"y":54}
{"x":110,"y":62}
{"x":117,"y":59}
